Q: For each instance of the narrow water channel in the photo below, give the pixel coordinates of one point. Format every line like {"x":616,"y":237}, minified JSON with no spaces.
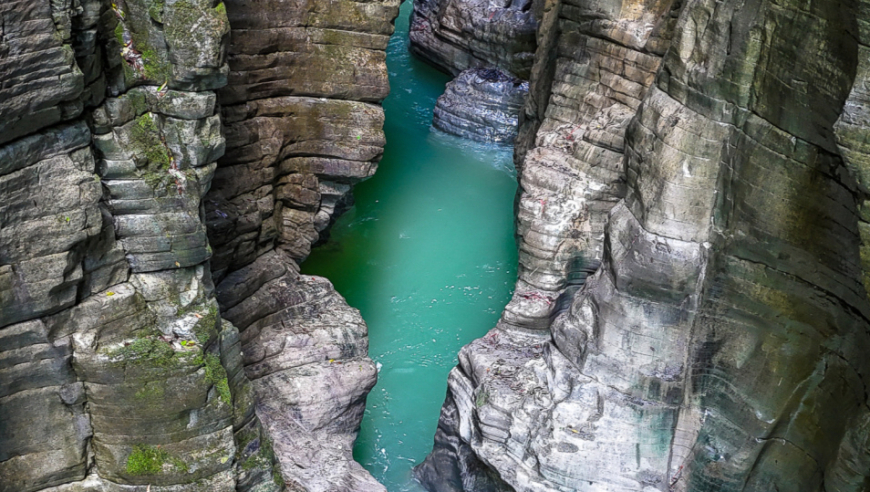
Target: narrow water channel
{"x":427,"y":255}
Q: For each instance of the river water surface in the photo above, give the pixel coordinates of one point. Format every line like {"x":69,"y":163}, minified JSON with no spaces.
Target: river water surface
{"x":427,"y":255}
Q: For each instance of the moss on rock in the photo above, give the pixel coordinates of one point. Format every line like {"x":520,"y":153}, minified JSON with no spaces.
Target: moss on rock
{"x":151,"y":392}
{"x":145,"y":137}
{"x":150,"y":460}
{"x":206,"y":327}
{"x":156,"y":10}
{"x":216,"y":374}
{"x":153,"y":351}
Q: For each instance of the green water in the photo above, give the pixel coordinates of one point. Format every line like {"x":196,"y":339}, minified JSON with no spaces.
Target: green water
{"x":427,"y":255}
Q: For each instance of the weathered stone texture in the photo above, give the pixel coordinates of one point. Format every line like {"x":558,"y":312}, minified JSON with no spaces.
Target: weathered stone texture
{"x":43,"y":83}
{"x":718,"y":345}
{"x":489,"y":47}
{"x":481,"y":104}
{"x":110,"y":329}
{"x":302,"y":125}
{"x":305,"y":350}
{"x":456,"y":35}
{"x":572,"y":175}
{"x":116,"y":372}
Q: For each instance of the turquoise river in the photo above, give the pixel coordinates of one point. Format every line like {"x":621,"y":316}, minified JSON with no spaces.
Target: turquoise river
{"x":427,"y":255}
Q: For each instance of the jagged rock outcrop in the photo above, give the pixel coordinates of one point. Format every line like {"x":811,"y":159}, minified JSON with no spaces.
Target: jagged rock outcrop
{"x":117,"y":371}
{"x":481,"y":104}
{"x":485,"y":45}
{"x":303,"y":126}
{"x":456,"y":35}
{"x":713,"y":188}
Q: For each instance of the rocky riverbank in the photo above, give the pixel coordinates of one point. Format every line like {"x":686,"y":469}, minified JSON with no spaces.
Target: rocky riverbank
{"x":489,"y":48}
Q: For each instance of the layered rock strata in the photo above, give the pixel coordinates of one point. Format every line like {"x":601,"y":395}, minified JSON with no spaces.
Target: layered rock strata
{"x":117,"y":370}
{"x":481,"y":104}
{"x":487,"y":46}
{"x":456,"y":35}
{"x":303,"y":126}
{"x":718,"y":346}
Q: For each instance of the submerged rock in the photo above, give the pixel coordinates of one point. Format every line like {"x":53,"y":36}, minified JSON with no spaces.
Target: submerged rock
{"x":481,"y":104}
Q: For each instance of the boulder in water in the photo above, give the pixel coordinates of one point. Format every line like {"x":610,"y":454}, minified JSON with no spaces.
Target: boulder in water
{"x":481,"y":104}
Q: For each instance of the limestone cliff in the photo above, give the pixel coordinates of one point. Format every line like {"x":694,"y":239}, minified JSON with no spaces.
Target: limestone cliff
{"x":117,"y":371}
{"x":690,"y":314}
{"x":456,"y":35}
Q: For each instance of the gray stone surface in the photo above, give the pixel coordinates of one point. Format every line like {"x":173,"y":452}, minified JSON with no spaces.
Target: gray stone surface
{"x":305,"y":350}
{"x":489,"y":47}
{"x":111,"y":331}
{"x":481,"y":104}
{"x":297,"y":140}
{"x":690,"y":313}
{"x":456,"y":35}
{"x":116,"y":371}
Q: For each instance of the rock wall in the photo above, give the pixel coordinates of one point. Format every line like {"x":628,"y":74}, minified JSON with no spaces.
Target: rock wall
{"x":456,"y":35}
{"x":690,"y":314}
{"x":303,"y":126}
{"x":117,"y":371}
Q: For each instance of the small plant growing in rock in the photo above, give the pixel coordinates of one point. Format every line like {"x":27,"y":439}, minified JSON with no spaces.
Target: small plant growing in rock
{"x":481,"y":399}
{"x":155,"y":352}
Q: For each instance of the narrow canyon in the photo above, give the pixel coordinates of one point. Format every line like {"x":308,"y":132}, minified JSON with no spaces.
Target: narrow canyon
{"x":247,"y":245}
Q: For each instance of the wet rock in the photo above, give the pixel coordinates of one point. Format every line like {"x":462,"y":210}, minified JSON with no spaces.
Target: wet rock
{"x":481,"y":104}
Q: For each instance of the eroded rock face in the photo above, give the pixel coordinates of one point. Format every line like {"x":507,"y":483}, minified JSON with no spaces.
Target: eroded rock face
{"x":117,"y":370}
{"x":481,"y":104}
{"x":456,"y":35}
{"x":302,"y":124}
{"x":489,"y":47}
{"x":305,"y":351}
{"x":717,"y":346}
